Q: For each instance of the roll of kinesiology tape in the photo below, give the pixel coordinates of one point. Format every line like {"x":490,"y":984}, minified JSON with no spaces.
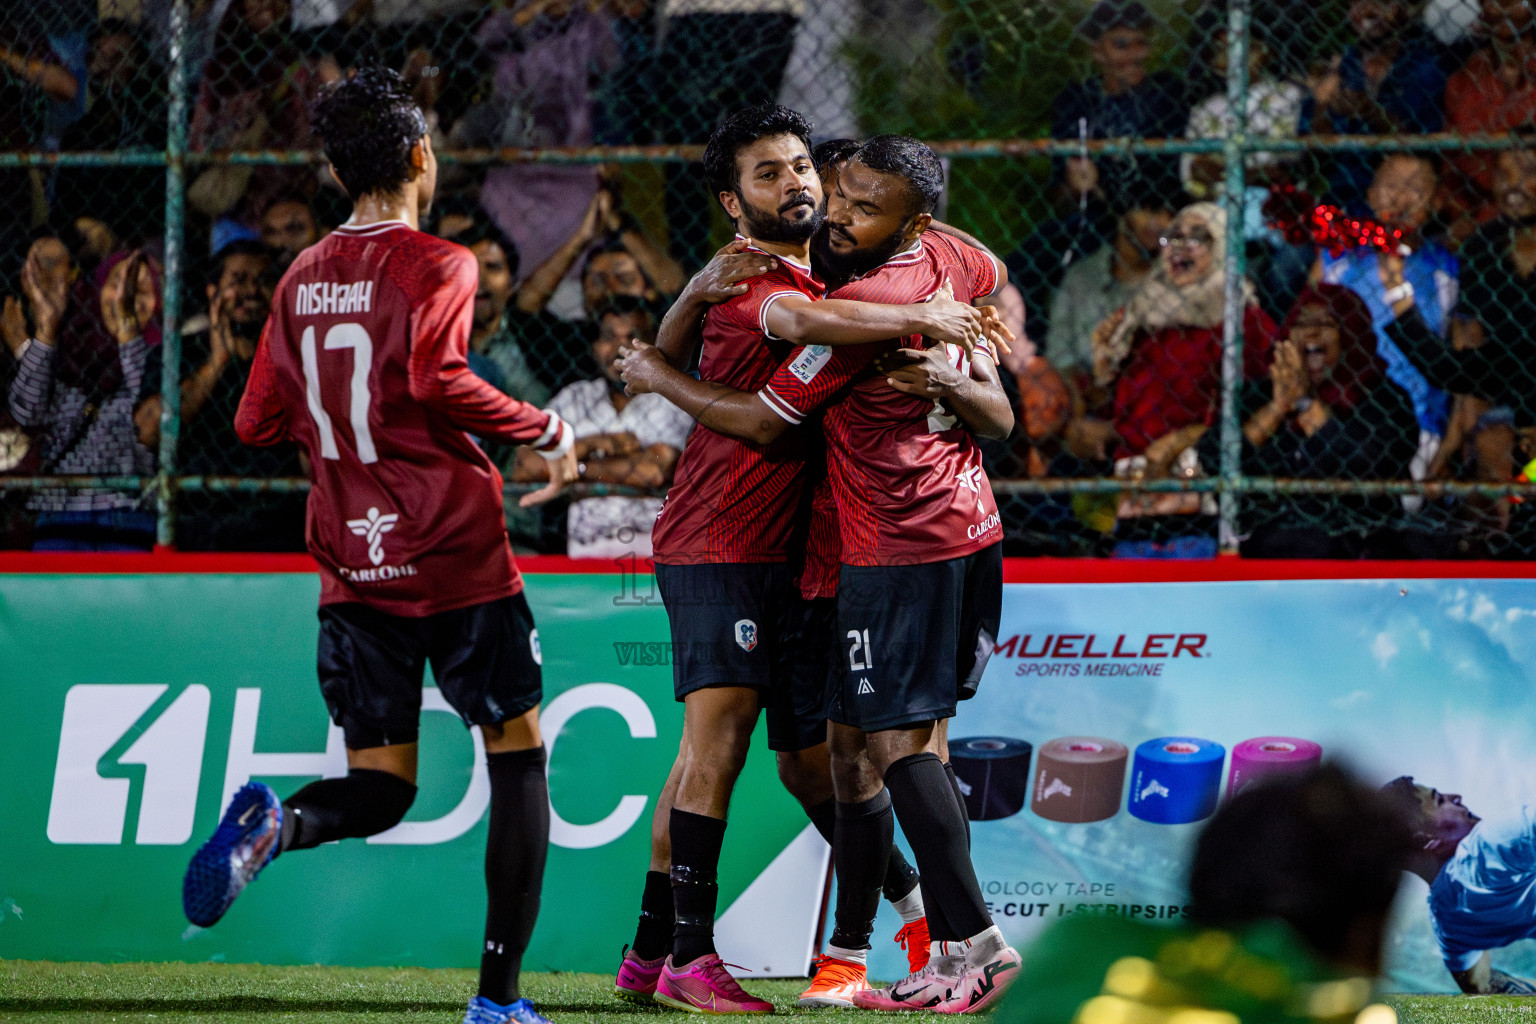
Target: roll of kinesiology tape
{"x":1078,"y":779}
{"x":993,"y":772}
{"x":1176,"y":779}
{"x":1268,"y":756}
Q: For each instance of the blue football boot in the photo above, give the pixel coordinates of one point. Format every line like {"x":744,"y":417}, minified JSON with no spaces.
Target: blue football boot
{"x":244,"y":843}
{"x":483,"y":1011}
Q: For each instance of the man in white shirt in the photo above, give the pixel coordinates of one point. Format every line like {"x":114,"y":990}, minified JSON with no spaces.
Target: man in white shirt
{"x":1482,"y":883}
{"x":620,"y":439}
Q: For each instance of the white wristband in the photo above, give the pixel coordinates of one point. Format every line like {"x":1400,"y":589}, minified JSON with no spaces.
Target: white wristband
{"x":557,"y":426}
{"x":1393,"y":296}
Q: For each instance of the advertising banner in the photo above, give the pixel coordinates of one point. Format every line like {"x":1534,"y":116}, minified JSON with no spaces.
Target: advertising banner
{"x":134,"y":705}
{"x":1114,"y":718}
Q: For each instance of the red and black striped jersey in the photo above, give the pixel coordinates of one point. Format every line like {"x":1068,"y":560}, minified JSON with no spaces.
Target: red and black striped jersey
{"x":363,"y":363}
{"x":907,"y":476}
{"x":732,"y":500}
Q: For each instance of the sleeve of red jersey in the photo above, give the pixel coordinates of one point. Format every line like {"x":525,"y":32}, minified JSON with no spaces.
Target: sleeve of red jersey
{"x":260,"y":419}
{"x":979,"y":270}
{"x":442,"y":287}
{"x":750,"y":310}
{"x":812,"y":374}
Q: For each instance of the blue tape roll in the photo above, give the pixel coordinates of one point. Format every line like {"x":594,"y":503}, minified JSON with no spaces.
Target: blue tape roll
{"x":1176,"y":779}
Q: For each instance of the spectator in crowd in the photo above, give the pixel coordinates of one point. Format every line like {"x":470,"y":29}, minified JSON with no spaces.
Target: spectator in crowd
{"x":1390,"y":82}
{"x":1488,"y":358}
{"x":288,"y":227}
{"x":625,"y":97}
{"x":214,"y":367}
{"x":716,"y":56}
{"x":1494,"y":92}
{"x":1095,"y":286}
{"x":1278,"y":267}
{"x":125,"y":109}
{"x":1161,"y":355}
{"x":1124,"y":99}
{"x":1290,"y":889}
{"x":495,"y":354}
{"x":631,"y":441}
{"x":255,"y":94}
{"x":1326,"y":411}
{"x":1482,"y":882}
{"x":30,"y":74}
{"x":546,"y":55}
{"x":1403,"y":194}
{"x":619,"y":260}
{"x":79,"y":370}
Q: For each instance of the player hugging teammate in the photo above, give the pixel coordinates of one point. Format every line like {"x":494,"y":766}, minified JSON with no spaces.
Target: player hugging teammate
{"x":904,"y":529}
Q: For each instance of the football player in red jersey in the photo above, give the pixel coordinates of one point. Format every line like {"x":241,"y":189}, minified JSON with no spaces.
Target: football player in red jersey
{"x":920,"y":591}
{"x":363,"y":363}
{"x":722,"y":540}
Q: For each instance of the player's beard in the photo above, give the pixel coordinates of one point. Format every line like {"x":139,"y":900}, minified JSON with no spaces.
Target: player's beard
{"x":773,"y":226}
{"x":844,"y":266}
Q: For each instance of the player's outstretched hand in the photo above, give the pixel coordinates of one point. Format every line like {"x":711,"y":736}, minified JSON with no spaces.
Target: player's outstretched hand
{"x":562,"y":471}
{"x":926,"y":373}
{"x":951,"y":322}
{"x":723,"y":276}
{"x":640,"y":365}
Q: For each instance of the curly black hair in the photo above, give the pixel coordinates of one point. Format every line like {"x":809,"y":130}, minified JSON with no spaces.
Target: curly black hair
{"x":907,"y":158}
{"x":369,"y":123}
{"x":742,"y":129}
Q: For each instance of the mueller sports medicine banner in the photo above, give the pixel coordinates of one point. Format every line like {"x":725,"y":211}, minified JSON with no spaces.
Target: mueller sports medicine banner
{"x":1112,"y":720}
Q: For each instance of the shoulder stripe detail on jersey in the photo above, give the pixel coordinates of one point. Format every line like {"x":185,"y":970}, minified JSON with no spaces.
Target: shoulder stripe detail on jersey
{"x":378,"y":227}
{"x":762,"y":311}
{"x":783,"y":408}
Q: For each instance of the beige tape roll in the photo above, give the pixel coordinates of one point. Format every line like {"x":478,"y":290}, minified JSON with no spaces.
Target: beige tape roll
{"x":1079,"y":779}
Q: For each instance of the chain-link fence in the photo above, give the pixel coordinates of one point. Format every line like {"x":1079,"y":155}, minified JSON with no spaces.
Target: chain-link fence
{"x":1273,"y":256}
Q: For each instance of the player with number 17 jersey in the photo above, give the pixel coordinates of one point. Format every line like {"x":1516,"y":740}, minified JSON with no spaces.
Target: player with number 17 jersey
{"x":369,"y":333}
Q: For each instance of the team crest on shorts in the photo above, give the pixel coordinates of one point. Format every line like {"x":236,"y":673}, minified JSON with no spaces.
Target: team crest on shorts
{"x":746,"y":634}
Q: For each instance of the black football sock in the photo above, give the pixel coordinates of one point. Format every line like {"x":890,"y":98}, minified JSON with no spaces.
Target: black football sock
{"x":965,"y":813}
{"x":861,"y":854}
{"x":364,"y":802}
{"x":516,"y":846}
{"x":824,"y":817}
{"x":653,"y":936}
{"x":696,"y":842}
{"x":938,"y":926}
{"x":900,"y":877}
{"x":931,"y":820}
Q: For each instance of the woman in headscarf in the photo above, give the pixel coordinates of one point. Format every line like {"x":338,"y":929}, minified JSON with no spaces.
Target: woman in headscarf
{"x":1161,"y":358}
{"x":1162,"y":352}
{"x":1326,"y":411}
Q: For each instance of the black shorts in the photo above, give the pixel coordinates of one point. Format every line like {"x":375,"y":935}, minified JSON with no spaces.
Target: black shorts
{"x":727,"y":620}
{"x":485,"y":659}
{"x":914,"y":639}
{"x":797,"y":706}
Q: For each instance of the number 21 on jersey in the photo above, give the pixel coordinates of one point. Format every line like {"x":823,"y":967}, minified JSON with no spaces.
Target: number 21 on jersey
{"x":354,"y":337}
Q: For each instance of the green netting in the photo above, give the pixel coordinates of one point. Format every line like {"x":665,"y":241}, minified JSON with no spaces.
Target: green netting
{"x":1221,"y":413}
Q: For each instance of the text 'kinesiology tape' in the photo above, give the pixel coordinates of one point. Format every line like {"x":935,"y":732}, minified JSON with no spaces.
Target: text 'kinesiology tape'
{"x":1078,"y":779}
{"x":1176,"y":779}
{"x":1266,"y":757}
{"x":994,"y":775}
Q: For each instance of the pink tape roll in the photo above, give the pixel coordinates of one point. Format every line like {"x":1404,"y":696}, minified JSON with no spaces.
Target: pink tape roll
{"x":1267,"y":756}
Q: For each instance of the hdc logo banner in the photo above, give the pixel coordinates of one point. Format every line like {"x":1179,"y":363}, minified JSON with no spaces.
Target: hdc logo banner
{"x":135,"y":705}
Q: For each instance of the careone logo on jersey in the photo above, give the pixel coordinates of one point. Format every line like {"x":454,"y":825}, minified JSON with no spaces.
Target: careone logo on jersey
{"x":372,"y":527}
{"x":107,"y":728}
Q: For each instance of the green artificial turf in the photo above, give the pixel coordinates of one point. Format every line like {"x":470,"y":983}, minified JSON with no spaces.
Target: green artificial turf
{"x":55,"y":993}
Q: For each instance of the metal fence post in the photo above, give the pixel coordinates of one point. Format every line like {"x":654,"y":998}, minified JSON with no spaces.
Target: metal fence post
{"x":1234,"y":151}
{"x":175,"y":206}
